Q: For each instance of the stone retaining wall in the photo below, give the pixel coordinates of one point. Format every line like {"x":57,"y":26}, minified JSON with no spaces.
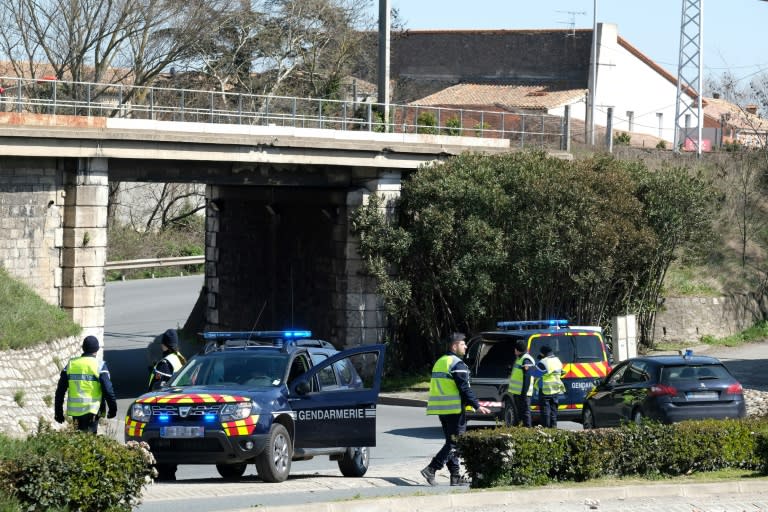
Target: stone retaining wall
{"x":28,"y":379}
{"x":687,"y":319}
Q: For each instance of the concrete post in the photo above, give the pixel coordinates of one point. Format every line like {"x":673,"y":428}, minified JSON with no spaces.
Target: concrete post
{"x":365,"y":317}
{"x":566,"y":136}
{"x":84,"y":248}
{"x":609,"y":130}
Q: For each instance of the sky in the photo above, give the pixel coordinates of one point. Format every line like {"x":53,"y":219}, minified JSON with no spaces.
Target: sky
{"x":734,"y":31}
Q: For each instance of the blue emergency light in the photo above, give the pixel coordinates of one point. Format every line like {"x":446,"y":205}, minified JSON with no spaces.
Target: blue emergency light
{"x":532,"y":324}
{"x":209,"y":417}
{"x":253,"y":335}
{"x":163,"y":418}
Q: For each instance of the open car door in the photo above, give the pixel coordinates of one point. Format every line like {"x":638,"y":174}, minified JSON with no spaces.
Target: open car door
{"x":335,"y":401}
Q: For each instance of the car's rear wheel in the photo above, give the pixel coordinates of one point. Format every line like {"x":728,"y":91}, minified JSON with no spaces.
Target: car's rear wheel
{"x":166,"y":472}
{"x":510,"y":416}
{"x":274,"y":463}
{"x":354,"y":463}
{"x":231,"y":471}
{"x":588,"y":418}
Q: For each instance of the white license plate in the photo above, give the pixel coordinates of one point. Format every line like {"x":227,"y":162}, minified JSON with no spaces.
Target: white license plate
{"x":702,"y":395}
{"x":182,"y":432}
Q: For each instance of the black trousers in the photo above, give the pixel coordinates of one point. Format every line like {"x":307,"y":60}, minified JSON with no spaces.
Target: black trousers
{"x":548,"y":408}
{"x":522,"y":405}
{"x":87,"y":422}
{"x":453,"y":426}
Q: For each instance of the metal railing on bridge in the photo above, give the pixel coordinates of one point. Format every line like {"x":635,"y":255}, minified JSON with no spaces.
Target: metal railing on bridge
{"x":58,"y":97}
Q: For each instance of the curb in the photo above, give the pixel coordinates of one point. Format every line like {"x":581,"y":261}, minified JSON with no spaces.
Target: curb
{"x":534,"y":497}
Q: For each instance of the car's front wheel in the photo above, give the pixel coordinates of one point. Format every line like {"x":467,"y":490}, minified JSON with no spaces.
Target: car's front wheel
{"x":355,"y":461}
{"x":231,"y":471}
{"x":588,"y":418}
{"x":166,"y":472}
{"x":274,"y":463}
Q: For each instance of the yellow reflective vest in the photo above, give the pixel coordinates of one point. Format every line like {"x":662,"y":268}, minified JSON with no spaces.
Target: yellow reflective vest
{"x":84,"y":390}
{"x":551,"y":382}
{"x":516,"y":378}
{"x":444,"y":396}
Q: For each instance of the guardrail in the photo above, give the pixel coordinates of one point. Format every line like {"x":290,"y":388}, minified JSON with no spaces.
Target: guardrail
{"x":154,"y":262}
{"x":59,"y":97}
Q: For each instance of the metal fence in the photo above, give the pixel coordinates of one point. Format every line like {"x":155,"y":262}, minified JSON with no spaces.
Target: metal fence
{"x":58,"y":97}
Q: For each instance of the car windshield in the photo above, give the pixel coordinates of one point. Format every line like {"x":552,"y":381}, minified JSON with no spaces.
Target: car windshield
{"x":237,"y":368}
{"x":670,"y":374}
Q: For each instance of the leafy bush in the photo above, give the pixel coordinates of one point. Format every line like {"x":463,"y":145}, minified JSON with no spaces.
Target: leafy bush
{"x":622,"y":139}
{"x":74,"y":471}
{"x":519,"y":456}
{"x":661,"y":145}
{"x":453,"y":127}
{"x":426,"y":123}
{"x":481,"y":127}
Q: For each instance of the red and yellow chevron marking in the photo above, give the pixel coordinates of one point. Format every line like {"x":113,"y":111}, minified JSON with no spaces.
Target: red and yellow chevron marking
{"x":585,"y":370}
{"x":133,"y":428}
{"x":240,"y":427}
{"x":191,"y":398}
{"x":560,"y":407}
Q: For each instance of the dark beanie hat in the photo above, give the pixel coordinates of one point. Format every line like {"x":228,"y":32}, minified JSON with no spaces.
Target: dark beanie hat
{"x":545,"y":350}
{"x":90,"y":345}
{"x":170,"y":338}
{"x":521,"y":346}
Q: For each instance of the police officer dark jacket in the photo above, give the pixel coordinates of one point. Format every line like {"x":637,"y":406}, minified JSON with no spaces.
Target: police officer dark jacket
{"x":86,"y":382}
{"x":171,"y":362}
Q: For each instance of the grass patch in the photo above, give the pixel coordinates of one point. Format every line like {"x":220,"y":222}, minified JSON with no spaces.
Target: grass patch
{"x":686,"y":281}
{"x":757,"y":332}
{"x":28,"y":320}
{"x":405,"y":382}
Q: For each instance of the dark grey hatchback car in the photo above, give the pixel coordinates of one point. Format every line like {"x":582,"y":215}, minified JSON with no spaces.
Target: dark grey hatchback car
{"x":666,"y":389}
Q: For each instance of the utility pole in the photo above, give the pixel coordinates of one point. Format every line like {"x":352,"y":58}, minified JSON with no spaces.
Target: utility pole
{"x":689,"y":77}
{"x":385,"y":26}
{"x":593,"y":89}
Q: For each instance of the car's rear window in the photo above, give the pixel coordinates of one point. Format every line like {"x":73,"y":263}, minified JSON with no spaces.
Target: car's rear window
{"x":671,"y":374}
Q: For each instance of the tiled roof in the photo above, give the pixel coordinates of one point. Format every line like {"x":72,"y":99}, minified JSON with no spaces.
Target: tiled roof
{"x":737,"y":116}
{"x":506,"y":96}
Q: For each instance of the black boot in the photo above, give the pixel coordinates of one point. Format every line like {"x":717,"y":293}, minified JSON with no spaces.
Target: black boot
{"x":459,"y":480}
{"x":429,"y":475}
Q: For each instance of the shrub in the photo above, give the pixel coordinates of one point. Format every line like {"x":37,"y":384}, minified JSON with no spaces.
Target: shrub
{"x":661,"y":145}
{"x":453,"y":126}
{"x":74,"y":471}
{"x":481,"y":127}
{"x":622,"y":139}
{"x":426,"y":123}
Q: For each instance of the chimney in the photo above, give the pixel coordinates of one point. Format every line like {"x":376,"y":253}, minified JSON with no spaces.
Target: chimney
{"x":751,"y":108}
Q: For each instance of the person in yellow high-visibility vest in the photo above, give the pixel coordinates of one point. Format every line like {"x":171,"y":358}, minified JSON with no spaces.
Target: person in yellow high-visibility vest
{"x":449,"y":395}
{"x":548,"y":372}
{"x":521,"y":384}
{"x":171,"y":362}
{"x":85,"y":380}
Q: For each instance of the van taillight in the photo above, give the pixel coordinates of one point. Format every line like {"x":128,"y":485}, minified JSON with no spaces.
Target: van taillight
{"x":734,"y":389}
{"x":663,"y":390}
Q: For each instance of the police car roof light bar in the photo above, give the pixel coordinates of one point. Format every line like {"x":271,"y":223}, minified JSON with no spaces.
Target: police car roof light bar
{"x":246,"y":335}
{"x":532,"y":324}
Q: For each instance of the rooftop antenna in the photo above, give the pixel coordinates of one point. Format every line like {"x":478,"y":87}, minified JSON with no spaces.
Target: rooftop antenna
{"x":572,"y":22}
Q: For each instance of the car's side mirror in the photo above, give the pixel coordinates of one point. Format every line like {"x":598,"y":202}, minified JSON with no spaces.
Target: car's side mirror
{"x":302,"y":388}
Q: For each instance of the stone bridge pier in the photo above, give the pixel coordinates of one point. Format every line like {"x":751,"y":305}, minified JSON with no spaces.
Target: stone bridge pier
{"x":281,"y":257}
{"x":53,"y":232}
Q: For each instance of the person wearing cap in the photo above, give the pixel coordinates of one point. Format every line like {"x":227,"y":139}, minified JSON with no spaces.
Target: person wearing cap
{"x":86,"y":382}
{"x":449,"y":395}
{"x":521,"y":385}
{"x":548,"y":371}
{"x":171,"y":362}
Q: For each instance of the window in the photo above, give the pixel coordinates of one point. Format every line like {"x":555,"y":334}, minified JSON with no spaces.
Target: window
{"x":636,"y":372}
{"x":630,"y":120}
{"x":660,"y":117}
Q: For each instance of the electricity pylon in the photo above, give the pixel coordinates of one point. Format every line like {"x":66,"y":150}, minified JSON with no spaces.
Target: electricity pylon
{"x":689,"y":77}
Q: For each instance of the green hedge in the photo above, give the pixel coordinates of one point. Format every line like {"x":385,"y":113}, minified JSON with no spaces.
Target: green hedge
{"x":71,"y":470}
{"x":524,"y":456}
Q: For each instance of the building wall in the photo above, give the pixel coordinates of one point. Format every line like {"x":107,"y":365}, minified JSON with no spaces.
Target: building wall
{"x":687,"y":319}
{"x":626,"y":83}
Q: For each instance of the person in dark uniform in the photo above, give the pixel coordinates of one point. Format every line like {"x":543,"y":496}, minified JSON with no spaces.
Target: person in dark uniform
{"x":548,"y":372}
{"x":521,"y":384}
{"x":171,"y":362}
{"x":449,"y":394}
{"x":86,"y":382}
